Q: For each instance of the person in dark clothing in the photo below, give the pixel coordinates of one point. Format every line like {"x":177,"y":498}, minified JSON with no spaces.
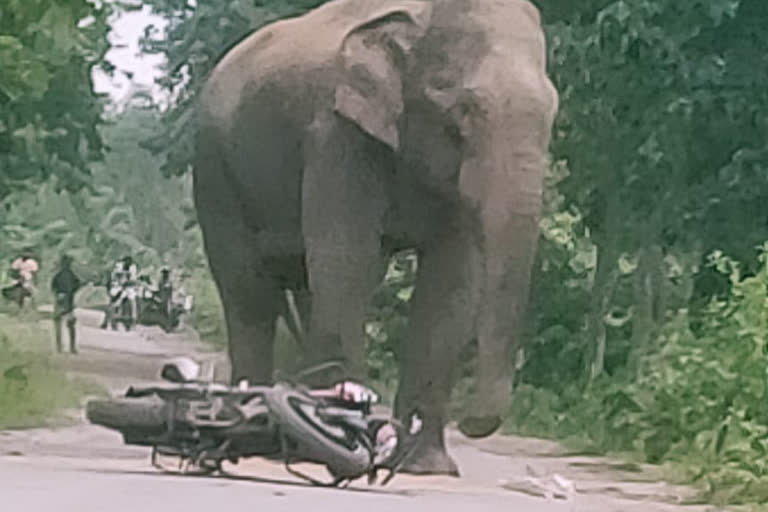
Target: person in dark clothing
{"x":164,"y":286}
{"x":165,"y":296}
{"x":64,"y":285}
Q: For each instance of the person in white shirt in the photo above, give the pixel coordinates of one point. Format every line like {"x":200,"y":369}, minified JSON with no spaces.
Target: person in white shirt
{"x":23,"y":271}
{"x":124,"y":275}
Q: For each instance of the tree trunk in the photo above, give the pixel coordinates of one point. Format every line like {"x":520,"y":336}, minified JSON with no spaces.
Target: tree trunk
{"x":649,"y":302}
{"x":658,"y":281}
{"x":602,"y":290}
{"x":642,"y":316}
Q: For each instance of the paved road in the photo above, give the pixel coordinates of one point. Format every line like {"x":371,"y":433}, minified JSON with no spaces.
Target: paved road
{"x":83,"y":468}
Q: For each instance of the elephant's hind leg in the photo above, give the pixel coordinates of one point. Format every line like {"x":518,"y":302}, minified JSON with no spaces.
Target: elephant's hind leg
{"x":250,"y":306}
{"x":249,"y":295}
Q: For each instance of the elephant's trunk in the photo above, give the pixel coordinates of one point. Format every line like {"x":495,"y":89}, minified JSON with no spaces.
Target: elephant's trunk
{"x":507,"y":183}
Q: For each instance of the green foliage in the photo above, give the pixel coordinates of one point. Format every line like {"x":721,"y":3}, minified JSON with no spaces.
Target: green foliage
{"x":698,"y":399}
{"x":386,"y":327}
{"x":207,"y":316}
{"x":661,"y":122}
{"x":48,"y":110}
{"x":129,"y":208}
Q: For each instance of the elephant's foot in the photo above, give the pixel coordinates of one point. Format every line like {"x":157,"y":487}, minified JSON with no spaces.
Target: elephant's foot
{"x":430,"y":460}
{"x":478,"y":427}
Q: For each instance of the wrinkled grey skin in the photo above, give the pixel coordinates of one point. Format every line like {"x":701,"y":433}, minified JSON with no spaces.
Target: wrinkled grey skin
{"x":328,"y":142}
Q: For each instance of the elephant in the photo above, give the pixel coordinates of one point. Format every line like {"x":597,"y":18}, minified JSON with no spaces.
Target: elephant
{"x":328,"y":142}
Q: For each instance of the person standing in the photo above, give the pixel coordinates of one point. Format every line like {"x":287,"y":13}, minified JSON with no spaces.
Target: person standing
{"x":64,"y":286}
{"x":165,"y":297}
{"x":124,"y":275}
{"x":24,"y":269}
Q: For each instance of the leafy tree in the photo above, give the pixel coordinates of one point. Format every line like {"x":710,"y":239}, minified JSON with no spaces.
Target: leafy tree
{"x":48,"y":110}
{"x":127,"y":208}
{"x":655,"y":125}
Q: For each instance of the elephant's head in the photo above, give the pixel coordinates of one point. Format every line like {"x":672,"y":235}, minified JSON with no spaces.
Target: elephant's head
{"x":462,"y":84}
{"x":460,"y":56}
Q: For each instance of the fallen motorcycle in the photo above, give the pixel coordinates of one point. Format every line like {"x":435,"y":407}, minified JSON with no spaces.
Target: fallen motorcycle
{"x":204,"y":424}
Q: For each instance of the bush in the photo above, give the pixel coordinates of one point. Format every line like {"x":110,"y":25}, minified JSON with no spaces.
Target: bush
{"x":699,"y":400}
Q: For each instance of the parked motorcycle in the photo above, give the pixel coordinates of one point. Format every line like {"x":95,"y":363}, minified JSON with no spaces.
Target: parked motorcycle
{"x":163,"y":307}
{"x":204,"y":424}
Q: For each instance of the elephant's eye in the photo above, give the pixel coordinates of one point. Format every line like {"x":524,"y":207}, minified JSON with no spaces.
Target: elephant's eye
{"x":453,"y":132}
{"x":463,"y":110}
{"x":442,"y":83}
{"x":463,"y":116}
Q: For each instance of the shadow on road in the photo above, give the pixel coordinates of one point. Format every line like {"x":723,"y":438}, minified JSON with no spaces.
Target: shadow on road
{"x":254,"y":479}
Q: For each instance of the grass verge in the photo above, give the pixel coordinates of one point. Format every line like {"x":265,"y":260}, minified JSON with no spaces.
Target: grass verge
{"x":33,"y":391}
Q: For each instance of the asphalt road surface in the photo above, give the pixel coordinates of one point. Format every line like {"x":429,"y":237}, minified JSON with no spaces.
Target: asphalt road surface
{"x":83,"y":468}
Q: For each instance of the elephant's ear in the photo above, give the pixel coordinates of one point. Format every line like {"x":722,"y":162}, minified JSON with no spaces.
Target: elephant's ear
{"x":373,"y":57}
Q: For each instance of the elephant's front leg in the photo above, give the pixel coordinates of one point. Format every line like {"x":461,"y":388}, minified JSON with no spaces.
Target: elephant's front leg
{"x":441,"y":322}
{"x":342,"y":209}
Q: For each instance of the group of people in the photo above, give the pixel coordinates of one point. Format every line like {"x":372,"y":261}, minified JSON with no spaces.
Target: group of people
{"x":65,"y":284}
{"x":125,"y":283}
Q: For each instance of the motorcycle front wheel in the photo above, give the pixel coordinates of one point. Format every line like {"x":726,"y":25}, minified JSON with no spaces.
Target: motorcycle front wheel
{"x":295,"y":414}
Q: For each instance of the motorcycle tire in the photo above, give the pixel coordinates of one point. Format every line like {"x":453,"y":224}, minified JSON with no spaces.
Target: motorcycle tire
{"x":128,"y":414}
{"x":344,"y":457}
